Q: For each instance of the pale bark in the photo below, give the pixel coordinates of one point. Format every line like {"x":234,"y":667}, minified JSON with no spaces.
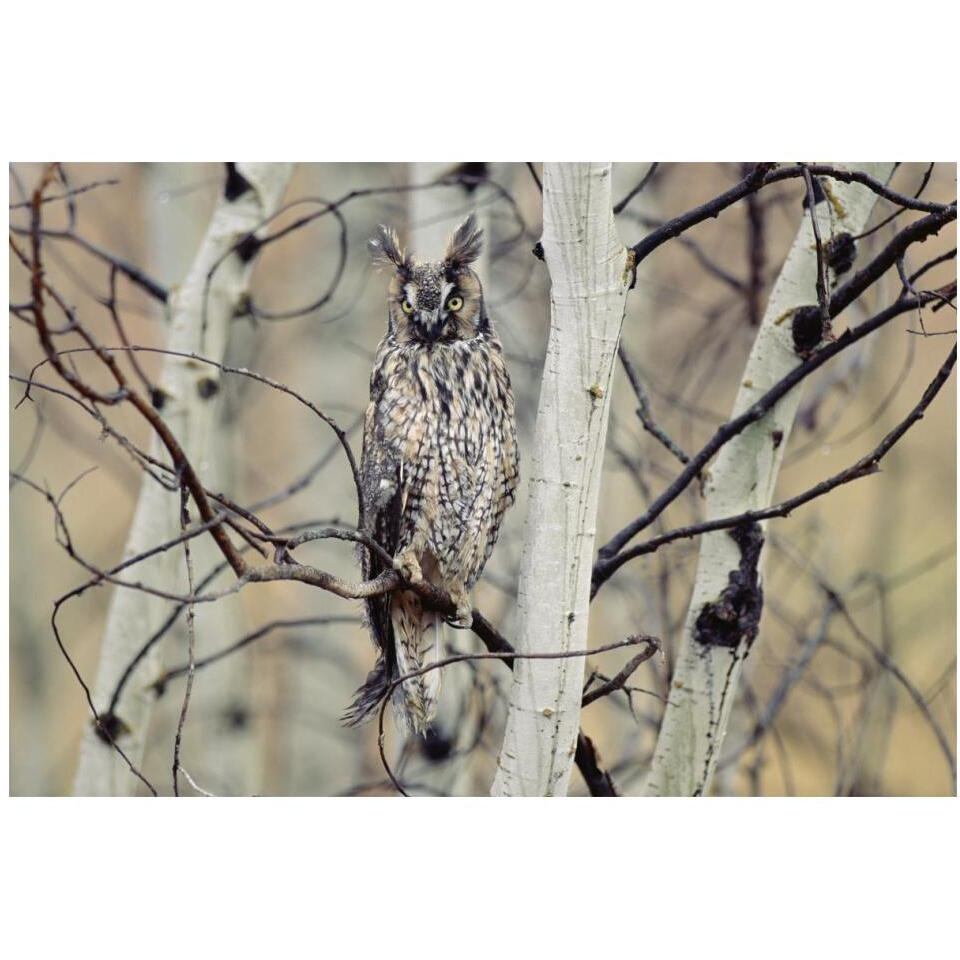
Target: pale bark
{"x":224,"y":744}
{"x":189,"y":390}
{"x":220,"y":750}
{"x":743,"y":478}
{"x":589,"y":280}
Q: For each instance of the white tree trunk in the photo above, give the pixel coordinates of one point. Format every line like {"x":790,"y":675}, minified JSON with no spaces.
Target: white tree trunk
{"x":189,"y":389}
{"x":743,"y":478}
{"x":224,"y":743}
{"x":589,"y":278}
{"x":219,"y":753}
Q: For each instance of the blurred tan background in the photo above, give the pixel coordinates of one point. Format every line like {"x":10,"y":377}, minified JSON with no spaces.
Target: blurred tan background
{"x":265,"y":720}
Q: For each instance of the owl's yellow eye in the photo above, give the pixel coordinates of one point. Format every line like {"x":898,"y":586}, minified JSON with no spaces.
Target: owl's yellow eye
{"x":454,"y":304}
{"x":407,"y":307}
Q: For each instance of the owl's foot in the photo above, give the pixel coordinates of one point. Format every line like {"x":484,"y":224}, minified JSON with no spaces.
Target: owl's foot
{"x":408,"y":566}
{"x":463,"y":619}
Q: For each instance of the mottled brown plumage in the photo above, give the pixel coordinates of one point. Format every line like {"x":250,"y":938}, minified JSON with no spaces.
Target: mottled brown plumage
{"x":440,"y":460}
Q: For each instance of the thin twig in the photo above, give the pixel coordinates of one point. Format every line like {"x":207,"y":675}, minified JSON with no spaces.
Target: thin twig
{"x":643,"y":410}
{"x":191,"y":643}
{"x":647,"y":177}
{"x":619,"y":680}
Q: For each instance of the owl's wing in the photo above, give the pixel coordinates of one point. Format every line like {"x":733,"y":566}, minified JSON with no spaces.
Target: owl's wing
{"x":504,"y":437}
{"x":380,"y":484}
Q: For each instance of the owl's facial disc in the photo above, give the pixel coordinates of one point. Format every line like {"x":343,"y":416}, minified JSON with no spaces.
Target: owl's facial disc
{"x":430,"y":301}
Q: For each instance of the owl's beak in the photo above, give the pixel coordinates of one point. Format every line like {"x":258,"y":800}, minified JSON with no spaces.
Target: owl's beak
{"x":430,"y":322}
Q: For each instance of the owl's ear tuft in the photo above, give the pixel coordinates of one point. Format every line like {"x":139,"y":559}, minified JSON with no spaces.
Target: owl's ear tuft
{"x":385,"y":248}
{"x":464,"y":245}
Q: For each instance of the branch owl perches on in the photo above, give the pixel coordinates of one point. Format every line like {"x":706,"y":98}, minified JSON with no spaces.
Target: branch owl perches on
{"x":440,"y":462}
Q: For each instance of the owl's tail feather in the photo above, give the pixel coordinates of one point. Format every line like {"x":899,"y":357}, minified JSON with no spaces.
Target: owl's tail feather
{"x":411,"y":636}
{"x":368,"y":698}
{"x":417,"y":632}
{"x":370,"y":695}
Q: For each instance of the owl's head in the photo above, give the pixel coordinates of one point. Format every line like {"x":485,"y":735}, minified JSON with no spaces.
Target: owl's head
{"x":434,"y":302}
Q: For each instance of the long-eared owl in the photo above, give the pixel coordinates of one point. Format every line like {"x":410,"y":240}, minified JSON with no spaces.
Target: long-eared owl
{"x":439,"y":465}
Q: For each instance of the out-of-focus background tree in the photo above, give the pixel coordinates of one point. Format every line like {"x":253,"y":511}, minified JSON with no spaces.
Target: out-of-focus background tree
{"x":265,"y":720}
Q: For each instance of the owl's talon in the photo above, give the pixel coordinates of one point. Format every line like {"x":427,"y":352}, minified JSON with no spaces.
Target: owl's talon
{"x":408,"y":567}
{"x":463,"y":618}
